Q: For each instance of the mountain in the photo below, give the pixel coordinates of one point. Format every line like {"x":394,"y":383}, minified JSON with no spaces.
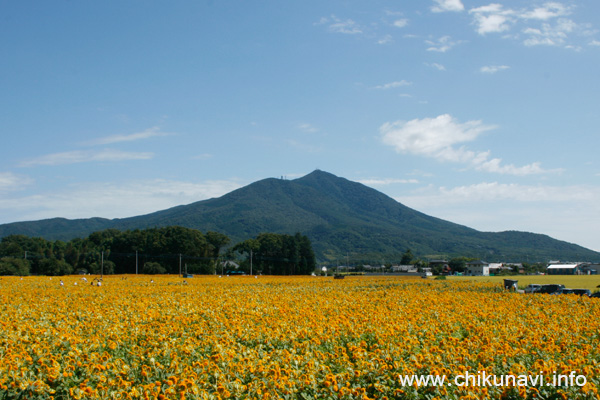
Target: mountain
{"x":342,"y":218}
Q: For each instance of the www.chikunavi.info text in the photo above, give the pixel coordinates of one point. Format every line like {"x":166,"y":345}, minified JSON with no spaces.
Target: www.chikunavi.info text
{"x":482,"y":379}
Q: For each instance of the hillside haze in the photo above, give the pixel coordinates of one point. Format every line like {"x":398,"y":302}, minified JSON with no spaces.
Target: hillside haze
{"x":342,"y":218}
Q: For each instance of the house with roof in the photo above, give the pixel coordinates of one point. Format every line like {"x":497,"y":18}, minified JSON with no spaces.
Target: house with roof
{"x":440,"y":265}
{"x":568,"y":269}
{"x":591,"y":269}
{"x":477,"y":268}
{"x":404,"y":268}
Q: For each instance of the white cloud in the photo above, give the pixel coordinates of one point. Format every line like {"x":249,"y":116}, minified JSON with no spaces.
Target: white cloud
{"x":447,"y":5}
{"x":594,"y":43}
{"x":308,"y":128}
{"x":492,"y":18}
{"x":550,"y":35}
{"x":400,"y":23}
{"x":385,"y":181}
{"x":498,"y":192}
{"x":393,"y":85}
{"x":542,"y":25}
{"x":10,"y":181}
{"x":437,"y":66}
{"x":385,"y":39}
{"x":438,"y":137}
{"x":492,"y":69}
{"x":80,"y":156}
{"x":148,"y":133}
{"x":337,"y":25}
{"x":430,"y":136}
{"x":111,"y":200}
{"x":547,"y":11}
{"x":563,"y":212}
{"x":495,"y":165}
{"x":442,"y":45}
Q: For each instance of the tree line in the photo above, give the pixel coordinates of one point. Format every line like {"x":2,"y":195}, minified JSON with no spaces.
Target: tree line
{"x":166,"y":250}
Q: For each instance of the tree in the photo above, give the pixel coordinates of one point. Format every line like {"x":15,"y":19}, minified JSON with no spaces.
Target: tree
{"x":269,"y":253}
{"x":153,"y":268}
{"x":54,"y":267}
{"x":308,"y":261}
{"x":458,"y":264}
{"x":14,"y":266}
{"x":407,"y":257}
{"x":279,"y":254}
{"x":217,"y":241}
{"x":250,"y":248}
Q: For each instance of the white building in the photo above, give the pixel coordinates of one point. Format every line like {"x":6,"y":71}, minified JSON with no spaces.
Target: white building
{"x":404,"y":268}
{"x":568,"y":269}
{"x":477,"y":268}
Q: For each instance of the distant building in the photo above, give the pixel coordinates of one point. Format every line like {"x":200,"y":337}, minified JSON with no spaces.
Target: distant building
{"x":230,"y":265}
{"x":515,"y":267}
{"x":497,"y":268}
{"x":572,"y":269}
{"x":441,"y":265}
{"x":404,"y":268}
{"x":477,"y":268}
{"x":591,"y":269}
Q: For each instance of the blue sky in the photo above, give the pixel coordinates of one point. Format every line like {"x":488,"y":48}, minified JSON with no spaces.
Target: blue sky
{"x":483,"y":113}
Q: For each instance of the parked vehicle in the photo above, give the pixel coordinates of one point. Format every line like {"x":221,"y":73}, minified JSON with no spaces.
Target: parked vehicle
{"x":549,"y":289}
{"x":595,"y":295}
{"x":532,"y":288}
{"x":562,"y":291}
{"x":582,"y":292}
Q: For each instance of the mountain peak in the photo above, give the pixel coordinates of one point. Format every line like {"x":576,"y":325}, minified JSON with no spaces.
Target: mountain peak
{"x":338,"y":215}
{"x":319,"y":174}
{"x":322,"y":180}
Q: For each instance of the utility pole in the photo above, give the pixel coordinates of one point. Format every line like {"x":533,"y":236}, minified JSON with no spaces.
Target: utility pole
{"x":179,"y":264}
{"x":136,"y":262}
{"x":250,"y":261}
{"x":102,"y":266}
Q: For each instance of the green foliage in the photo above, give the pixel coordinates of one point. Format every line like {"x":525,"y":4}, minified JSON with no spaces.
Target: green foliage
{"x":247,"y":246}
{"x":458,"y":264}
{"x":407,"y":257}
{"x":54,"y":267}
{"x":112,"y":251}
{"x":171,"y":247}
{"x":163,"y":250}
{"x":153,"y":268}
{"x":201,"y":268}
{"x":216,"y":241}
{"x":279,"y":254}
{"x":14,"y":266}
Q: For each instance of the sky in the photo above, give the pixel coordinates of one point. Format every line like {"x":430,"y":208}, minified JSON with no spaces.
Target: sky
{"x":483,"y":113}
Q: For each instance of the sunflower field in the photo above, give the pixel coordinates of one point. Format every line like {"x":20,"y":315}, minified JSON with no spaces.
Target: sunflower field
{"x":143,"y":337}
